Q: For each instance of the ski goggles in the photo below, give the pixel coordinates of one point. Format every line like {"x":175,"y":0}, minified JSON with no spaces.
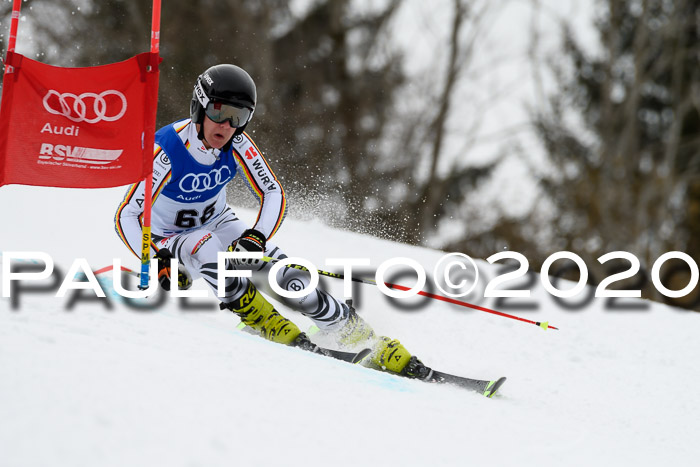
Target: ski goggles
{"x":219,"y":113}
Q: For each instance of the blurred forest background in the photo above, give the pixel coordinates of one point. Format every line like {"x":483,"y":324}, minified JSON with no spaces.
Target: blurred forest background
{"x":361,"y":137}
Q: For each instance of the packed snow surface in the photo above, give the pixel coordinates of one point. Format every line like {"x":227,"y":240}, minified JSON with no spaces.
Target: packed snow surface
{"x":88,"y":382}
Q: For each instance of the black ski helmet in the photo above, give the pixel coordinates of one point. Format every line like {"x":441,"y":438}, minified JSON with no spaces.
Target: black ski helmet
{"x":227,"y":84}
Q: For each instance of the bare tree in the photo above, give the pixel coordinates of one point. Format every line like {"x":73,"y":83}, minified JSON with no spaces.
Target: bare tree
{"x":420,"y":148}
{"x":623,"y":175}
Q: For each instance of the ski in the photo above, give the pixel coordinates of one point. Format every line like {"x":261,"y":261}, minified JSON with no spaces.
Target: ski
{"x":482,"y":386}
{"x":306,"y":344}
{"x":415,"y":369}
{"x":419,"y":372}
{"x":350,"y":357}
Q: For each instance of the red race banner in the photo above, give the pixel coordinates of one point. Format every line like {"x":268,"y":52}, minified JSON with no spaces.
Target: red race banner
{"x":77,"y":127}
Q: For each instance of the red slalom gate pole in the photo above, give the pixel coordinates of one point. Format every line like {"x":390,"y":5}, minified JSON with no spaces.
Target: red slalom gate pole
{"x":14,"y":23}
{"x":148,"y":181}
{"x":155,"y":27}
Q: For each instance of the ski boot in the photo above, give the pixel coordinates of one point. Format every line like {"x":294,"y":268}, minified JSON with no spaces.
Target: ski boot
{"x":387,"y":354}
{"x":255,"y":311}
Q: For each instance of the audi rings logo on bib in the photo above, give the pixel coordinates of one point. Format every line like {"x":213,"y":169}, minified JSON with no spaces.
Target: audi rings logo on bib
{"x":88,"y":107}
{"x":202,"y":182}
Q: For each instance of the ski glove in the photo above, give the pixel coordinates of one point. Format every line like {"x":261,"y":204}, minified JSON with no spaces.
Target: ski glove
{"x":251,"y":241}
{"x":184,"y":280}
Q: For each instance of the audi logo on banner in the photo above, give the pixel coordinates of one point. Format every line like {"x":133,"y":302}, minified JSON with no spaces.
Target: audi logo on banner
{"x":88,"y":107}
{"x":202,"y":182}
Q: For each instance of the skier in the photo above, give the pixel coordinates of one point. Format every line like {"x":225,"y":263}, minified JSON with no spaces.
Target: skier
{"x":193,"y":161}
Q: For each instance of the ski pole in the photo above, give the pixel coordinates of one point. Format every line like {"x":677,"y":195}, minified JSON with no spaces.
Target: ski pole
{"x":544,"y":325}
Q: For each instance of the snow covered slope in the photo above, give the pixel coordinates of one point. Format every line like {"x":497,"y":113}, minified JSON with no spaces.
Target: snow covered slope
{"x":98,"y":386}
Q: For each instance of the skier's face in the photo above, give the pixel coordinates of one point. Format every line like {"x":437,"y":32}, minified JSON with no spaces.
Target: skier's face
{"x":216,"y":134}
